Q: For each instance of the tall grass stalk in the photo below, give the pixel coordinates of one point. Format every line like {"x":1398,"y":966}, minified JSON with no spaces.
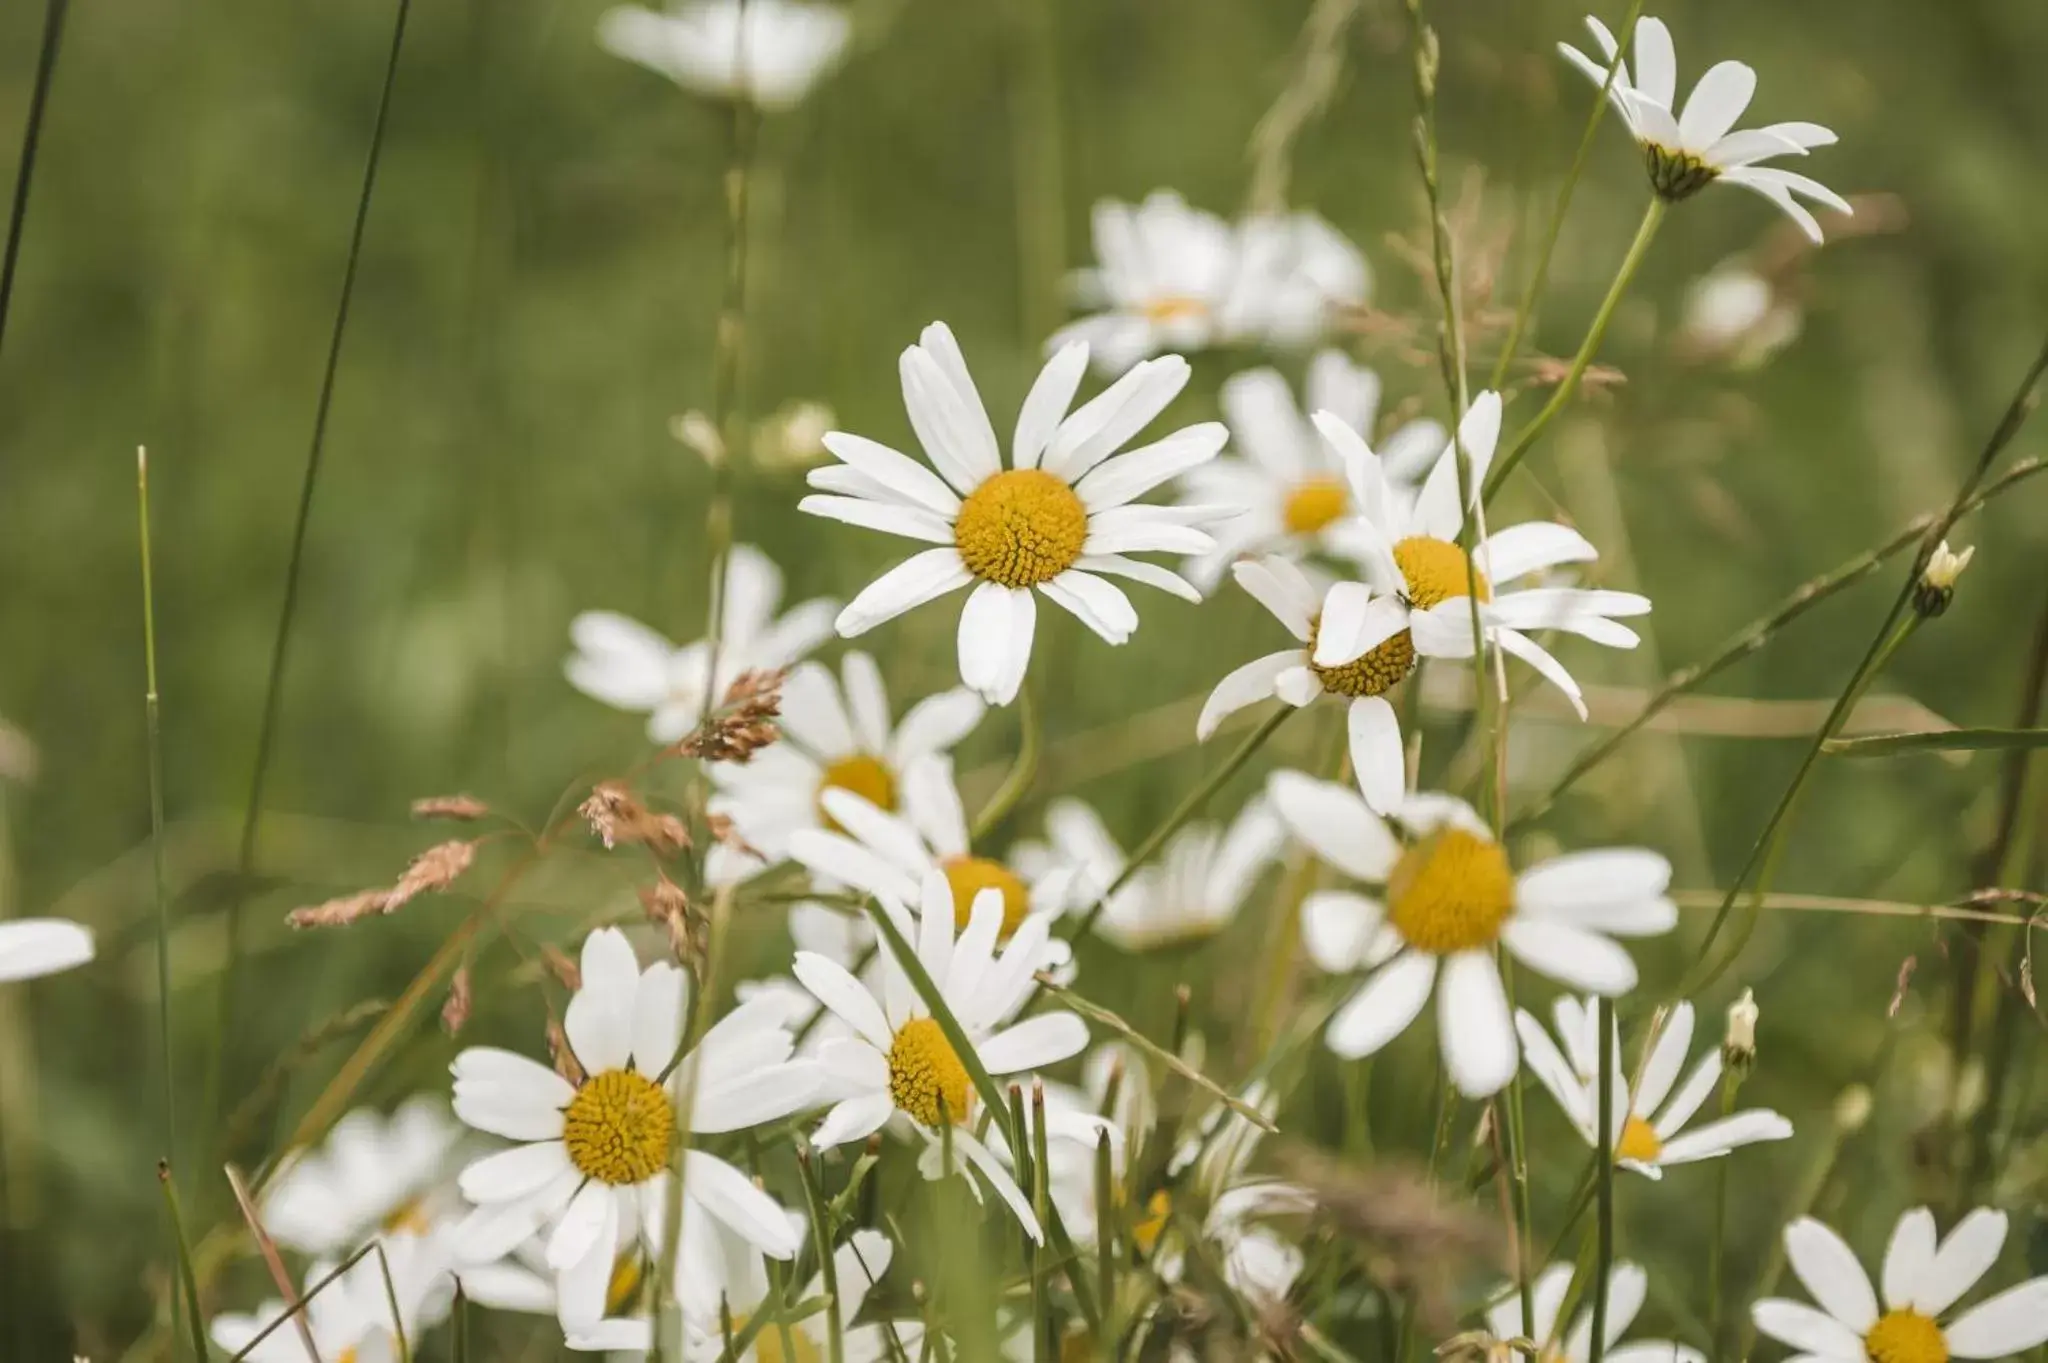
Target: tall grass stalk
{"x":185,"y":1295}
{"x":31,"y":142}
{"x":280,"y":646}
{"x":828,"y":1267}
{"x":1603,"y":1175}
{"x":1036,"y":167}
{"x":291,"y":1312}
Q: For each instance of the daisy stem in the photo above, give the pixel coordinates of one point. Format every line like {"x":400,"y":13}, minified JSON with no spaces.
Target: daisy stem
{"x":1041,"y":1204}
{"x":1189,"y":806}
{"x":1522,"y":1226}
{"x":280,"y":644}
{"x":1017,"y":781}
{"x":1105,"y":1238}
{"x":828,"y":1268}
{"x":1755,"y":635}
{"x":1603,"y":1173}
{"x":1537,"y":277}
{"x":1646,"y":231}
{"x":1729,"y":1083}
{"x":31,"y":139}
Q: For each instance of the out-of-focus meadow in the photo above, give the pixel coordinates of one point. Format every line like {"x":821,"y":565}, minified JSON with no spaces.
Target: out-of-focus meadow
{"x":537,"y":295}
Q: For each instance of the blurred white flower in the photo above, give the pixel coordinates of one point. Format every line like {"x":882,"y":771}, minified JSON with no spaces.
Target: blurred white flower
{"x":1289,"y":480}
{"x":899,"y":1061}
{"x":1647,"y":1121}
{"x":628,"y":666}
{"x":765,"y":52}
{"x":1627,"y":1288}
{"x":1447,"y":898}
{"x":1922,"y":1278}
{"x":718,"y":1270}
{"x":373,"y":1173}
{"x":33,"y":947}
{"x":837,"y":735}
{"x":1062,"y":515}
{"x":1171,"y":277}
{"x":794,"y":436}
{"x":593,"y":1156}
{"x":1691,"y":148}
{"x":1734,"y":314}
{"x":350,"y":1318}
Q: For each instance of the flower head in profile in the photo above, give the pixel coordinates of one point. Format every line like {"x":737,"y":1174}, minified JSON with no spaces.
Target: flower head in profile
{"x":31,"y":948}
{"x":1188,"y":895}
{"x":1627,"y":1288}
{"x":1647,"y":1124}
{"x":898,"y":1061}
{"x":1688,"y":149}
{"x":351,"y":1317}
{"x":1901,"y":1320}
{"x":1289,"y":480}
{"x":1058,"y":521}
{"x":630,"y":667}
{"x":592,"y":1159}
{"x":373,"y":1173}
{"x":763,"y":52}
{"x":837,"y":735}
{"x":1445,"y":896}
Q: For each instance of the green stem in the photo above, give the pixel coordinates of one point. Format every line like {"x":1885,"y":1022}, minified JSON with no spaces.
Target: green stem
{"x":1039,"y":178}
{"x":1518,"y":1173}
{"x":31,"y":140}
{"x":1646,"y":231}
{"x":391,"y":1303}
{"x":1717,"y":1250}
{"x":1017,"y":781}
{"x":188,"y":1283}
{"x":1541,"y":273}
{"x":828,"y":1268}
{"x":1603,"y":1263}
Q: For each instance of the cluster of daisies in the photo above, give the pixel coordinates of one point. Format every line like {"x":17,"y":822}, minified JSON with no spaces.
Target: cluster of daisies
{"x":927,"y":964}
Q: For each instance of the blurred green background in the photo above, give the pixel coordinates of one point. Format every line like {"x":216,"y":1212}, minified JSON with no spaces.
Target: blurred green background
{"x":536,"y":299}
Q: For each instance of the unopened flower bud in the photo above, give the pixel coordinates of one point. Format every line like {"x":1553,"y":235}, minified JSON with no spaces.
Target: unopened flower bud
{"x":1738,"y":1048}
{"x":794,"y":437}
{"x":1937,"y":585}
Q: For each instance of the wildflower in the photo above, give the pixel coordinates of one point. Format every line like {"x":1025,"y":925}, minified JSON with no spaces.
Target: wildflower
{"x":1189,"y":894}
{"x":593,"y":1157}
{"x":1937,"y":585}
{"x":839,"y":737}
{"x":1416,"y":597}
{"x":33,"y":947}
{"x":1211,"y":1165}
{"x":1062,"y":515}
{"x":351,"y":1317}
{"x":1627,"y":1287}
{"x":1922,"y":1279}
{"x":630,"y":667}
{"x":763,"y":52}
{"x":1735,"y":314}
{"x":1644,"y":1138}
{"x":794,"y":436}
{"x":727,"y":1274}
{"x":1291,"y":481}
{"x":1691,"y":148}
{"x":1738,"y":1049}
{"x":372,"y":1174}
{"x":899,"y":1060}
{"x":1447,"y":896}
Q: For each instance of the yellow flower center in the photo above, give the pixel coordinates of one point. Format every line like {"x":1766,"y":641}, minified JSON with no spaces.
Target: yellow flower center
{"x":347,"y":1355}
{"x":1905,"y":1337}
{"x":617,"y":1127}
{"x":1020,"y":528}
{"x":1314,"y":504}
{"x":1173,"y":307}
{"x":1373,"y":672}
{"x":1638,"y":1142}
{"x":768,"y":1343}
{"x":1158,"y":1211}
{"x":1435,"y":570}
{"x":867,"y":777}
{"x":925,"y":1075}
{"x":408,"y":1216}
{"x":624,"y":1286}
{"x":969,"y":876}
{"x":1451,"y":892}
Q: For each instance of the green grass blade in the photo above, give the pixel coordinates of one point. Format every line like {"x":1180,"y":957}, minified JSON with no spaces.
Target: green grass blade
{"x":1936,"y":740}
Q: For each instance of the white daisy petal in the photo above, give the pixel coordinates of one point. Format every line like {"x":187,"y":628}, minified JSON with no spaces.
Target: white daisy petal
{"x":1280,"y":588}
{"x":1698,"y":1086}
{"x":1098,"y":604}
{"x":657,"y":1018}
{"x":1473,"y":1025}
{"x":854,"y":1119}
{"x":902,"y":475}
{"x":1383,"y":1006}
{"x":1719,"y":1137}
{"x":1530,"y":547}
{"x":516,"y":1173}
{"x":1335,"y":822}
{"x":1338,"y":927}
{"x":846,"y":996}
{"x":731,"y":1196}
{"x":1102,"y":425}
{"x":2010,"y":1323}
{"x":1033,"y":1043}
{"x":1242,"y":686}
{"x":918,"y":579}
{"x":867,"y":701}
{"x":955,"y":433}
{"x":1570,"y":955}
{"x":989,"y":1167}
{"x":935,"y":724}
{"x":1538,"y":657}
{"x":1045,"y":406}
{"x":1377,"y":759}
{"x":908,"y":521}
{"x":1802,"y":1327}
{"x":1656,"y":63}
{"x":1134,"y":473}
{"x":985,"y":639}
{"x":1965,"y":1256}
{"x":1715,"y":103}
{"x":1667,"y":1058}
{"x":1137,"y":570}
{"x":1828,"y":1268}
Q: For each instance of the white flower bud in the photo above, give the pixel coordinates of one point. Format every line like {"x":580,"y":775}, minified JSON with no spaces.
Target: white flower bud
{"x":1738,"y":1048}
{"x":1937,"y":585}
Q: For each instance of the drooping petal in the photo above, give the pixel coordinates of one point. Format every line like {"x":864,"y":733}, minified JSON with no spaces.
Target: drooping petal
{"x":1377,"y":759}
{"x":1242,"y":686}
{"x":920,"y":578}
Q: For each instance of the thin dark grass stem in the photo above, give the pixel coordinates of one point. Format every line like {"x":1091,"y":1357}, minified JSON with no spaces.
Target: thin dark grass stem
{"x":280,"y":647}
{"x":31,"y":142}
{"x":1603,"y":1173}
{"x":186,"y":1297}
{"x":291,"y":1312}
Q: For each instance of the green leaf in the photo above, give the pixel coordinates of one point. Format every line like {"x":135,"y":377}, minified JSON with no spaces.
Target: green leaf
{"x":1936,"y":740}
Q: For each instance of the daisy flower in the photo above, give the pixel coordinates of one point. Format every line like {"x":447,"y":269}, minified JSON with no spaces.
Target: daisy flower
{"x":1922,"y":1278}
{"x":890,"y":856}
{"x":1212,"y":1163}
{"x":1737,"y":315}
{"x":33,"y":947}
{"x":374,"y":1173}
{"x":1645,"y":1138}
{"x":1445,"y":897}
{"x":1688,"y":149}
{"x":1627,"y":1287}
{"x":593,"y":1157}
{"x":1297,"y":273}
{"x":727,"y":1270}
{"x":836,"y":733}
{"x":1062,"y":515}
{"x":351,"y":1318}
{"x":630,"y":667}
{"x":1189,"y":894}
{"x":763,"y":52}
{"x":1288,"y":478}
{"x":522,"y":1281}
{"x":1414,"y":600}
{"x":898,"y":1061}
